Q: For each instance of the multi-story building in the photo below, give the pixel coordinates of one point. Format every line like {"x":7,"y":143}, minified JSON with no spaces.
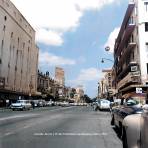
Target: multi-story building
{"x":131,"y":51}
{"x":60,"y":76}
{"x":46,"y":85}
{"x":79,"y":94}
{"x":18,"y":53}
{"x":60,"y":80}
{"x":108,"y":90}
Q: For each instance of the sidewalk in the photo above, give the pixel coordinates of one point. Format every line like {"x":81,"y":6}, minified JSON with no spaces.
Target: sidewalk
{"x":2,"y":109}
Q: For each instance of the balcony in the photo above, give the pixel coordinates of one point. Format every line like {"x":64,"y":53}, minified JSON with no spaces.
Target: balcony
{"x":125,"y":20}
{"x":126,"y":52}
{"x":125,"y":37}
{"x":129,"y":68}
{"x":132,"y":77}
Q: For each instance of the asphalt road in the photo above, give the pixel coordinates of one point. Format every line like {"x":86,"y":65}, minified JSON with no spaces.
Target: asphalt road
{"x":57,"y":127}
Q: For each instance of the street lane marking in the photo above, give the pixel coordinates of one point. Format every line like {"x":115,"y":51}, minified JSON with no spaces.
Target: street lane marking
{"x":70,"y":134}
{"x":17,"y":116}
{"x":62,"y":108}
{"x":27,"y":126}
{"x":28,"y":115}
{"x":8,"y":133}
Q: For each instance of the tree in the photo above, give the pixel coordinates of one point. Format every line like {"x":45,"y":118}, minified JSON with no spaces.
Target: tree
{"x":87,"y":99}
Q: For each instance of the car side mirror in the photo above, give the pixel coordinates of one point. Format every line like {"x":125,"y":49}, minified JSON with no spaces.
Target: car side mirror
{"x":145,"y":108}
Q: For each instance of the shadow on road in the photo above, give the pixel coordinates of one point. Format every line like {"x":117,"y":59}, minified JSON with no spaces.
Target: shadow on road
{"x":116,"y":129}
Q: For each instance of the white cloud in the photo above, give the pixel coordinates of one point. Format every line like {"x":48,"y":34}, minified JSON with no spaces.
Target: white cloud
{"x":58,"y":16}
{"x":111,"y":39}
{"x":49,"y":37}
{"x":48,"y":59}
{"x":87,"y":75}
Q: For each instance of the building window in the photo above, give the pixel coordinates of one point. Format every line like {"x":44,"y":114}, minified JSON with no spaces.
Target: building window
{"x":146,"y":44}
{"x":11,"y":34}
{"x":2,"y":45}
{"x":4,"y":28}
{"x":5,"y":18}
{"x":133,"y":56}
{"x":147,"y":68}
{"x":146,"y":26}
{"x":146,"y":6}
{"x":23,"y":45}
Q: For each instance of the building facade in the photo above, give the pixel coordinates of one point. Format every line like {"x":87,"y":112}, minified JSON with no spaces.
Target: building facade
{"x":18,"y":52}
{"x":60,"y":76}
{"x":46,"y":86}
{"x":79,"y":94}
{"x":60,"y":81}
{"x":131,"y":51}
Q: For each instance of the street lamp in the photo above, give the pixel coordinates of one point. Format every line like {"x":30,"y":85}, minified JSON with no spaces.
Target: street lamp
{"x":107,"y":48}
{"x":102,"y":61}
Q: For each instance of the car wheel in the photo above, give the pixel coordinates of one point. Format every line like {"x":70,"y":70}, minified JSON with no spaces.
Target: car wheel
{"x":124,"y":139}
{"x":112,"y":121}
{"x":120,"y":129}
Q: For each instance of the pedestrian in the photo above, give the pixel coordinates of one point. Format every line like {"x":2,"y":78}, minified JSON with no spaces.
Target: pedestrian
{"x":122,"y":101}
{"x":33,"y":105}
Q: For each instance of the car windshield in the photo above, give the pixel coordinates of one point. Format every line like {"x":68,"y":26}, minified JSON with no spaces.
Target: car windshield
{"x":19,"y":101}
{"x":104,"y":101}
{"x":132,"y":102}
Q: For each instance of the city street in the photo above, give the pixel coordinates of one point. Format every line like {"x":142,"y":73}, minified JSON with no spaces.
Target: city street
{"x":57,"y":127}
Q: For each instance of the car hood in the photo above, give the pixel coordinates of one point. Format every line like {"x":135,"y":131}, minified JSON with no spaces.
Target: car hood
{"x":16,"y":104}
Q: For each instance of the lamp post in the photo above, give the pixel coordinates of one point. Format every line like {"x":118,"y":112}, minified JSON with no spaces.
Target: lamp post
{"x":102,"y":61}
{"x":108,"y":83}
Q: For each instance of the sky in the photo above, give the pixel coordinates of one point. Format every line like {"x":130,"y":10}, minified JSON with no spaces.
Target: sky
{"x":73,"y":34}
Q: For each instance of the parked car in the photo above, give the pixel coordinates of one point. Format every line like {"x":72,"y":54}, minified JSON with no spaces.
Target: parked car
{"x":135,"y":130}
{"x":103,"y":104}
{"x":21,"y":105}
{"x":65,"y":104}
{"x":41,"y":103}
{"x":120,"y":112}
{"x":50,"y":103}
{"x":95,"y":105}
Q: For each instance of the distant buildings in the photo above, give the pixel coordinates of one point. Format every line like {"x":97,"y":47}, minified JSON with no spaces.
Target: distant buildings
{"x":60,"y":76}
{"x":18,"y":53}
{"x":60,"y":80}
{"x":79,"y":94}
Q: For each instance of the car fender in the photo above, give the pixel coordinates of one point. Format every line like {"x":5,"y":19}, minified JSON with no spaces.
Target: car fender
{"x":131,"y":125}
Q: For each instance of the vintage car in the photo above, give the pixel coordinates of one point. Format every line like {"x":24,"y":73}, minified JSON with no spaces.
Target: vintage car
{"x":120,"y":112}
{"x":103,"y":104}
{"x":135,"y":130}
{"x":21,"y":105}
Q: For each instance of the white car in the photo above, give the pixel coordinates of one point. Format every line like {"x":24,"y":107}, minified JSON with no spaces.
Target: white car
{"x":103,"y":104}
{"x":21,"y":105}
{"x":135,"y":130}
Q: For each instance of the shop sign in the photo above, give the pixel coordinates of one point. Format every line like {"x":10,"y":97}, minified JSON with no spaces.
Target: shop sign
{"x":139,"y":90}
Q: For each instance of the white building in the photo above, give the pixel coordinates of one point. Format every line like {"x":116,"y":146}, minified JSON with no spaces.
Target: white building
{"x":131,"y":50}
{"x":60,"y":76}
{"x":18,"y":52}
{"x":79,"y":94}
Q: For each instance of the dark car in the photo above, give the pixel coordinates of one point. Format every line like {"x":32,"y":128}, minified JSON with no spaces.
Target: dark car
{"x":120,"y":112}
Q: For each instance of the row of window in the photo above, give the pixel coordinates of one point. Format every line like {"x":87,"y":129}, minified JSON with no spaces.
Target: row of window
{"x":146,"y":26}
{"x":5,"y":17}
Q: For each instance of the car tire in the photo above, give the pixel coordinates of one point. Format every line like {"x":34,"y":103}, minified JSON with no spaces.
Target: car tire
{"x":124,"y":138}
{"x":112,"y":121}
{"x":120,"y":130}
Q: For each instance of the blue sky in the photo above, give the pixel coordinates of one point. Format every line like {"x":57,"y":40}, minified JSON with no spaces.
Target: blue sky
{"x":72,"y":34}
